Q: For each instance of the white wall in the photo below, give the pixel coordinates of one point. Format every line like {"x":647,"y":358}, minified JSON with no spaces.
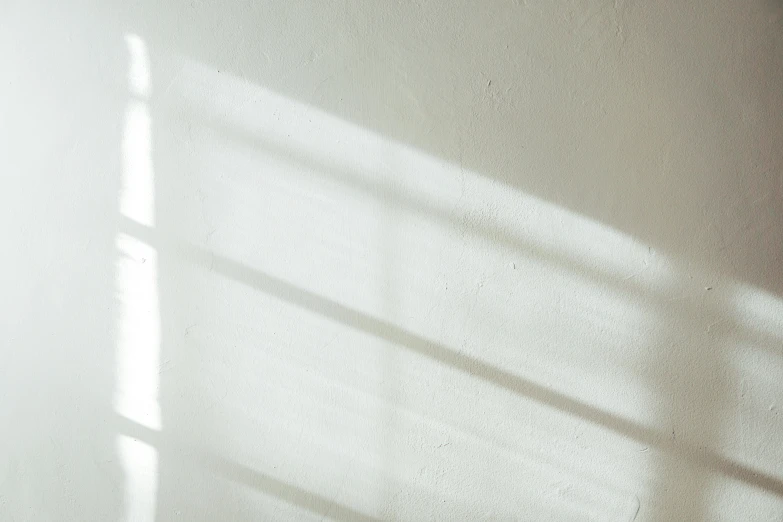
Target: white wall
{"x":414,"y":260}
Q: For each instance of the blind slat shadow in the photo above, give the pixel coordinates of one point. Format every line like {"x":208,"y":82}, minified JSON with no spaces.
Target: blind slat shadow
{"x":327,"y":308}
{"x":255,"y":479}
{"x":490,"y":232}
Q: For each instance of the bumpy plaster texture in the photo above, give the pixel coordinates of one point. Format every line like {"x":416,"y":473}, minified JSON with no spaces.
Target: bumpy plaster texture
{"x":391,"y":260}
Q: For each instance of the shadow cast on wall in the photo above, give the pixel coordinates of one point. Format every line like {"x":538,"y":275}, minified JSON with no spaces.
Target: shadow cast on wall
{"x":474,"y":367}
{"x":363,"y":313}
{"x":606,"y":118}
{"x":658,"y":121}
{"x":287,"y":178}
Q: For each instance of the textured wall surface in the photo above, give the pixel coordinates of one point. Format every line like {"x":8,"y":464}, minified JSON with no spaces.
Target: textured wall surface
{"x":391,"y":260}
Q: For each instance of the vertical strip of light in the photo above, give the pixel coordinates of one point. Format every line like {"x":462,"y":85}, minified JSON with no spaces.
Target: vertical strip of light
{"x":138,"y":345}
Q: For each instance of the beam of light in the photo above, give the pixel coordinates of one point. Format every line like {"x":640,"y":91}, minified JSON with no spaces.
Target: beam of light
{"x":138,"y":342}
{"x":137,"y":195}
{"x":139,"y":332}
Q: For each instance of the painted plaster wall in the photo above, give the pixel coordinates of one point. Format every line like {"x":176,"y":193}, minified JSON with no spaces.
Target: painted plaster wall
{"x":407,"y":260}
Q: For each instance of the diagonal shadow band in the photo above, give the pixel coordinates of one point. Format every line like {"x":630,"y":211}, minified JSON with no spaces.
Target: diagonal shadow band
{"x":697,"y":456}
{"x":308,"y":162}
{"x":238,"y":473}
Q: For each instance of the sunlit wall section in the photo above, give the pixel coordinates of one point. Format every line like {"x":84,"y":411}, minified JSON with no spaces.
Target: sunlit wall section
{"x":391,"y":341}
{"x":138,"y":333}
